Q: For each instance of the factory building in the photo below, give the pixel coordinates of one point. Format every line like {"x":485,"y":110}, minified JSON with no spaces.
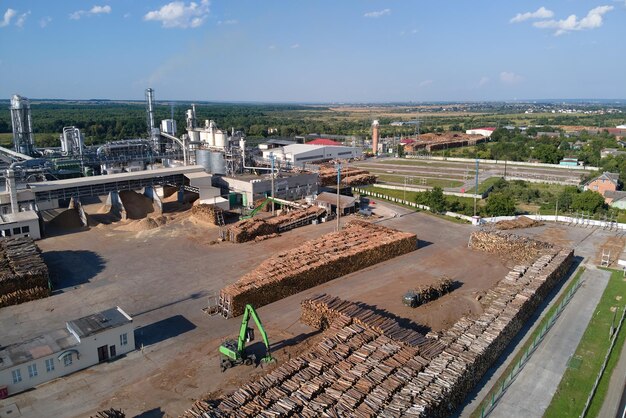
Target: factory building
{"x":297,"y":155}
{"x":20,"y":224}
{"x":486,"y":132}
{"x":83,"y":342}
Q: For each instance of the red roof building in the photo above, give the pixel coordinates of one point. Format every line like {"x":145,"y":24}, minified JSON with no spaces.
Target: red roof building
{"x":324,"y":141}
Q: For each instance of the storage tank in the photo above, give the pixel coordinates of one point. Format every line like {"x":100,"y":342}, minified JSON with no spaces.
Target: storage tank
{"x":218,"y":164}
{"x":220,"y":139}
{"x":203,"y":158}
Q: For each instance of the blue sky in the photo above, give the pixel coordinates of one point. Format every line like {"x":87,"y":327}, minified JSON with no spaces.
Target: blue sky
{"x":313,"y":51}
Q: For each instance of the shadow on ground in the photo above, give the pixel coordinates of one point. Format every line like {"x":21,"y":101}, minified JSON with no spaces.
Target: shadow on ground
{"x":152,"y":413}
{"x":162,"y":330}
{"x":72,"y":268}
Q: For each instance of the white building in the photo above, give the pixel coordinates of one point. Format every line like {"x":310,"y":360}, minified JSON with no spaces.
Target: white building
{"x":481,"y":131}
{"x":620,"y":127}
{"x":299,"y":154}
{"x":84,"y":342}
{"x":168,"y":126}
{"x":20,"y":224}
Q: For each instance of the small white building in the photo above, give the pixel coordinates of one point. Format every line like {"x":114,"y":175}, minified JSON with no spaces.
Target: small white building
{"x":207,"y":194}
{"x":84,"y":342}
{"x":20,"y":224}
{"x":481,"y":131}
{"x":299,"y":154}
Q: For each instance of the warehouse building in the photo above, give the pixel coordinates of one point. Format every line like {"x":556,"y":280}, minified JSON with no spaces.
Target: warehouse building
{"x":82,"y":343}
{"x":297,"y":155}
{"x":20,"y":224}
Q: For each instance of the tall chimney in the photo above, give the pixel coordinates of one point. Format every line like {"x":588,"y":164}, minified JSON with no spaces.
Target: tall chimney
{"x":375,"y":125}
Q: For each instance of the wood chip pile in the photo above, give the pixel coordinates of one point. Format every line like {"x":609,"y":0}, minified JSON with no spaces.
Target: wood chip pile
{"x":23,"y":273}
{"x":518,"y":248}
{"x":110,"y":413}
{"x":520,"y":222}
{"x":357,"y":371}
{"x":322,"y":310}
{"x":350,"y":176}
{"x":249,"y":229}
{"x":206,"y":213}
{"x":357,"y":246}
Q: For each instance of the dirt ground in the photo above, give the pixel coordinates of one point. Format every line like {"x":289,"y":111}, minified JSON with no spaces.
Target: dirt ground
{"x":613,"y":247}
{"x":162,"y":276}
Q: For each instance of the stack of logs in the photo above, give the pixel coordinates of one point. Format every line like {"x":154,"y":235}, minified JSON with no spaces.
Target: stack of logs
{"x":109,"y":413}
{"x":350,"y":176}
{"x":206,"y":213}
{"x":518,"y":248}
{"x":520,"y":222}
{"x":249,"y":229}
{"x":357,"y":246}
{"x":431,"y":292}
{"x":359,"y":372}
{"x":23,"y":273}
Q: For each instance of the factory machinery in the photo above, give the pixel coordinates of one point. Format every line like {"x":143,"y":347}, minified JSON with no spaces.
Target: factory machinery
{"x":205,"y":145}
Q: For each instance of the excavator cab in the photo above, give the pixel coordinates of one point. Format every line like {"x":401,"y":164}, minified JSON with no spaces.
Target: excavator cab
{"x":249,"y":334}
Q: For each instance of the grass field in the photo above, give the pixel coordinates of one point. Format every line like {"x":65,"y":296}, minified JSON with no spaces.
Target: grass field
{"x":482,"y":187}
{"x":526,"y":347}
{"x":578,"y":379}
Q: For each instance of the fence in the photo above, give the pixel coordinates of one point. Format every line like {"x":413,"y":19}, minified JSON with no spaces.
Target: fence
{"x":520,"y":163}
{"x":520,"y":362}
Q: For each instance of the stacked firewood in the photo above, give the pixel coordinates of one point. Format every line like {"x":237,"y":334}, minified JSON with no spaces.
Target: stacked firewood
{"x":249,"y":229}
{"x":518,"y":248}
{"x":350,"y":176}
{"x":23,"y":273}
{"x":520,"y":222}
{"x":109,"y":413}
{"x":357,"y":246}
{"x":359,"y":372}
{"x":434,"y":291}
{"x":206,"y":213}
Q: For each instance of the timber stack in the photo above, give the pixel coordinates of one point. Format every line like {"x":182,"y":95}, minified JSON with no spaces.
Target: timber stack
{"x":350,"y":176}
{"x":357,"y":246}
{"x":520,"y":249}
{"x":23,"y":273}
{"x":109,"y":413}
{"x":520,"y":222}
{"x":249,"y":229}
{"x":206,"y":213}
{"x":358,"y":371}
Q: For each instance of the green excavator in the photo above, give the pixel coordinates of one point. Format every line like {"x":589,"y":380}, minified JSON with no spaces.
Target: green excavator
{"x":234,"y":351}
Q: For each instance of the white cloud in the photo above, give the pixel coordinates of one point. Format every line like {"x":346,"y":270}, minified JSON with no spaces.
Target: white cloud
{"x":508,"y":77}
{"x":294,"y":46}
{"x":95,"y":10}
{"x":8,"y":15}
{"x":540,"y":13}
{"x":593,"y":20}
{"x":22,"y":19}
{"x":44,"y":21}
{"x":378,"y":13}
{"x":483,"y":81}
{"x":178,"y":14}
{"x":127,"y":15}
{"x":272,"y":47}
{"x":425,"y":83}
{"x":228,"y":22}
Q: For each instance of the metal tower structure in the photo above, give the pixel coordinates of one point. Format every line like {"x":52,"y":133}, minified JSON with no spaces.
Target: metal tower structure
{"x":23,"y":137}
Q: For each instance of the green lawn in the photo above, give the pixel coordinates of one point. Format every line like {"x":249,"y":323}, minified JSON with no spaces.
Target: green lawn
{"x":482,"y":187}
{"x":417,"y":181}
{"x":577,"y":381}
{"x":514,"y":365}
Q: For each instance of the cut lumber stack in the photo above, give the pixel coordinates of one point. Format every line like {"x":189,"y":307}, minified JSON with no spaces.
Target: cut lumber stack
{"x":350,"y":176}
{"x":520,"y":222}
{"x":357,"y":246}
{"x":249,"y":229}
{"x":23,"y":273}
{"x":110,"y":413}
{"x":206,"y":213}
{"x":518,"y":248}
{"x":428,"y":293}
{"x":358,"y":371}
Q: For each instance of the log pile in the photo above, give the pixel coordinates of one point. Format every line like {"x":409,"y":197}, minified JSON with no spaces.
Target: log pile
{"x":109,"y":413}
{"x":249,"y":229}
{"x":206,"y":213}
{"x":23,"y":273}
{"x":520,"y":222}
{"x":359,"y":372}
{"x":357,"y":246}
{"x":518,"y":248}
{"x":428,"y":293}
{"x":350,"y":176}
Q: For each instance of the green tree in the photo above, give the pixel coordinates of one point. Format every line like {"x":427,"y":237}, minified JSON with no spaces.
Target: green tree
{"x":500,"y":204}
{"x":588,"y":201}
{"x":436,"y":200}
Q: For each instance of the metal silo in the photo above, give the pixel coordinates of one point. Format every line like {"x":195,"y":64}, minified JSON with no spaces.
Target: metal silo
{"x":218,"y":163}
{"x":203,"y":158}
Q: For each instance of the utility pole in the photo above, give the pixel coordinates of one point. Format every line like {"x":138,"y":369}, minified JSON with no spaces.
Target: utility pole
{"x":476,"y":187}
{"x":272,"y":179}
{"x":338,"y":184}
{"x":405,"y":179}
{"x":556,"y":212}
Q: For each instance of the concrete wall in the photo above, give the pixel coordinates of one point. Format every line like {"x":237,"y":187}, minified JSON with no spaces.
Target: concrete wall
{"x":87,"y":356}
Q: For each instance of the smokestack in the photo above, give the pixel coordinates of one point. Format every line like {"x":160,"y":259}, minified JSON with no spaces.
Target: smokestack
{"x":375,"y":125}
